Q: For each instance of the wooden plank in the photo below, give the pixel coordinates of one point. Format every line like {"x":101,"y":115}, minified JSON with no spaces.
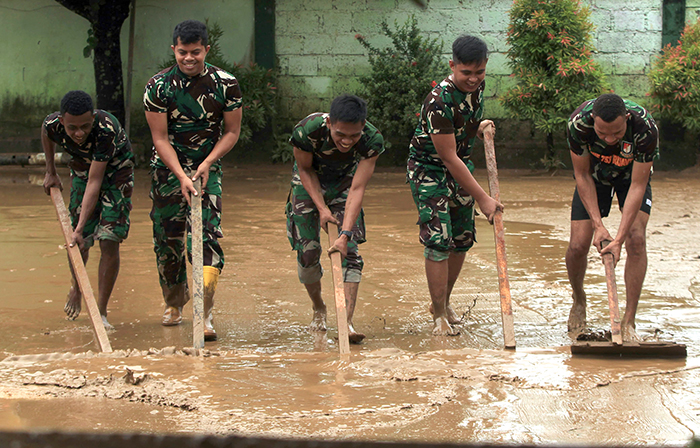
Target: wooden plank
{"x":76,"y":261}
{"x":197,"y":267}
{"x":339,"y":288}
{"x":499,"y":237}
{"x":629,"y":349}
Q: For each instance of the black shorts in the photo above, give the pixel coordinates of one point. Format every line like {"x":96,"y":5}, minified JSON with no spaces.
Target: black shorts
{"x":605,"y":194}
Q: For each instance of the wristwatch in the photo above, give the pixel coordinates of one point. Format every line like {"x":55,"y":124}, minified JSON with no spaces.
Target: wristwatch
{"x":346,"y":233}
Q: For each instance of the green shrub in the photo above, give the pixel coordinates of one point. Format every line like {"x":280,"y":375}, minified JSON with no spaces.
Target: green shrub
{"x":550,"y":55}
{"x":282,"y":151}
{"x":675,"y":81}
{"x":401,"y":77}
{"x":257,"y":85}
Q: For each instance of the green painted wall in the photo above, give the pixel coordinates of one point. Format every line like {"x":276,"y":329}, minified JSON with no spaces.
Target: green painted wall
{"x":43,"y":43}
{"x":692,"y":10}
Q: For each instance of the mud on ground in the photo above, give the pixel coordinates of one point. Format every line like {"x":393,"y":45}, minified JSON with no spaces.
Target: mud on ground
{"x":267,"y":375}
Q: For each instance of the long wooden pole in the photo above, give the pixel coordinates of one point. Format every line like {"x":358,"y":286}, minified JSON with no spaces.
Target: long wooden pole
{"x":76,"y":261}
{"x":197,"y":267}
{"x":339,"y":287}
{"x":615,"y":330}
{"x":499,"y":236}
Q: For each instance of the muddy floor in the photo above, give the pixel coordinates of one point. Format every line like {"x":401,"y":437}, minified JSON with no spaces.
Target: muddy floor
{"x":267,"y":375}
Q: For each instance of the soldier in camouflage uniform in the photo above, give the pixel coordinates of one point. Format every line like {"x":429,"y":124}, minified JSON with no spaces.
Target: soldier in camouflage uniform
{"x":102,"y":181}
{"x":613,"y":145}
{"x":440,"y":174}
{"x":194,"y":112}
{"x":335,"y":155}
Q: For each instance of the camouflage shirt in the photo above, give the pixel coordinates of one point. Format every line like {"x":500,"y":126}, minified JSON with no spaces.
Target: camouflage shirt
{"x":330,"y":164}
{"x":107,"y":142}
{"x":195,"y":107}
{"x":446,"y":110}
{"x":614,"y":163}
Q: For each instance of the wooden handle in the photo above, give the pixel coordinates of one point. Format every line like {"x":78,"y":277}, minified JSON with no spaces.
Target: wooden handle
{"x":76,"y":261}
{"x":499,"y":237}
{"x":609,"y":263}
{"x":339,"y":287}
{"x":197,"y":267}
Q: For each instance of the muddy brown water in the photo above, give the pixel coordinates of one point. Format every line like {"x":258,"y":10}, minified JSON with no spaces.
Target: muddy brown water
{"x":269,"y":376}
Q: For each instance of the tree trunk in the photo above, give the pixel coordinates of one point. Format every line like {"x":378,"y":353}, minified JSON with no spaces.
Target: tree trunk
{"x":106,"y":18}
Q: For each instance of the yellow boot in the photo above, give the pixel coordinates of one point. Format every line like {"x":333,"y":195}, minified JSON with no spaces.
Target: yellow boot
{"x":211,"y":279}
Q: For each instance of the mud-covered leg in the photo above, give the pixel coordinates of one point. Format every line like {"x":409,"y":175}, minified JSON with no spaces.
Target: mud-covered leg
{"x":437,"y":272}
{"x":318,"y":323}
{"x":107,"y":275}
{"x":635,"y":271}
{"x":351,"y":290}
{"x":576,"y":264}
{"x":74,"y":299}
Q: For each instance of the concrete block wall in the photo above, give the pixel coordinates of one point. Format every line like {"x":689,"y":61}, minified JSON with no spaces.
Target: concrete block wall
{"x":692,"y":11}
{"x":320,"y":58}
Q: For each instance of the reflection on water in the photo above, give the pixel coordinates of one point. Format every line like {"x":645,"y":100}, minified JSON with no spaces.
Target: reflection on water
{"x":274,"y":377}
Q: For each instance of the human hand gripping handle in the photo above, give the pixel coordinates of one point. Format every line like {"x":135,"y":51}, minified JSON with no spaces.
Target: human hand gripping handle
{"x":492,"y":205}
{"x":611,"y":248}
{"x":52,"y":180}
{"x":187,"y":189}
{"x":341,"y":244}
{"x":202,"y":173}
{"x":325,"y":216}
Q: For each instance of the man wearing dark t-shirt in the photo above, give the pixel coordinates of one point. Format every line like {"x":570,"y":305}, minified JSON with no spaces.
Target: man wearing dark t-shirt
{"x":102,"y":182}
{"x":613,"y":144}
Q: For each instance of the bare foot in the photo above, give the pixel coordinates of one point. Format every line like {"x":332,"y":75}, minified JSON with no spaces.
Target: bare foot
{"x":577,"y":316}
{"x":319,"y":321}
{"x":443,"y":328}
{"x":353,"y":335}
{"x":452,"y":316}
{"x":629,"y":334}
{"x":108,"y":326}
{"x":72,"y":308}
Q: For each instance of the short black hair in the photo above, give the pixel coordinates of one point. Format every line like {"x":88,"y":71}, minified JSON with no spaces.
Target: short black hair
{"x":468,"y":49}
{"x":76,"y":102}
{"x":191,"y":32}
{"x":348,"y":109}
{"x":608,"y":107}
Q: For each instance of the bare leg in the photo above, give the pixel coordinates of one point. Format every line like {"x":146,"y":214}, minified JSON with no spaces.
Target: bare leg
{"x":107,"y":274}
{"x":635,"y":271}
{"x":319,"y":321}
{"x":454,"y":264}
{"x":576,"y":263}
{"x":454,"y":267}
{"x":350,"y":301}
{"x":437,"y":273}
{"x":73,"y":302}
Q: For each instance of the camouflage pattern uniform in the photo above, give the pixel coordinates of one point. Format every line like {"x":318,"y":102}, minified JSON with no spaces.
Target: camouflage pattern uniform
{"x":195,"y":109}
{"x":445,"y":210}
{"x":107,"y":142}
{"x":335,"y":171}
{"x":612,"y":165}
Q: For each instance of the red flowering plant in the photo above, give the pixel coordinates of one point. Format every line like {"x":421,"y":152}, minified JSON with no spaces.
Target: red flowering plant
{"x":675,"y":81}
{"x":551,"y":57}
{"x":400,"y":79}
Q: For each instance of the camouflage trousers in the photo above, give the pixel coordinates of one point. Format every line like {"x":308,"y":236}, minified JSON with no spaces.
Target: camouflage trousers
{"x":303,"y":232}
{"x":171,"y":231}
{"x":445,"y":214}
{"x":110,"y":219}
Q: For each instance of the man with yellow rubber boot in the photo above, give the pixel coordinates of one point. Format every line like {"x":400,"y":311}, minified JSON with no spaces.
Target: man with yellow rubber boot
{"x":211,"y":280}
{"x":194,"y":112}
